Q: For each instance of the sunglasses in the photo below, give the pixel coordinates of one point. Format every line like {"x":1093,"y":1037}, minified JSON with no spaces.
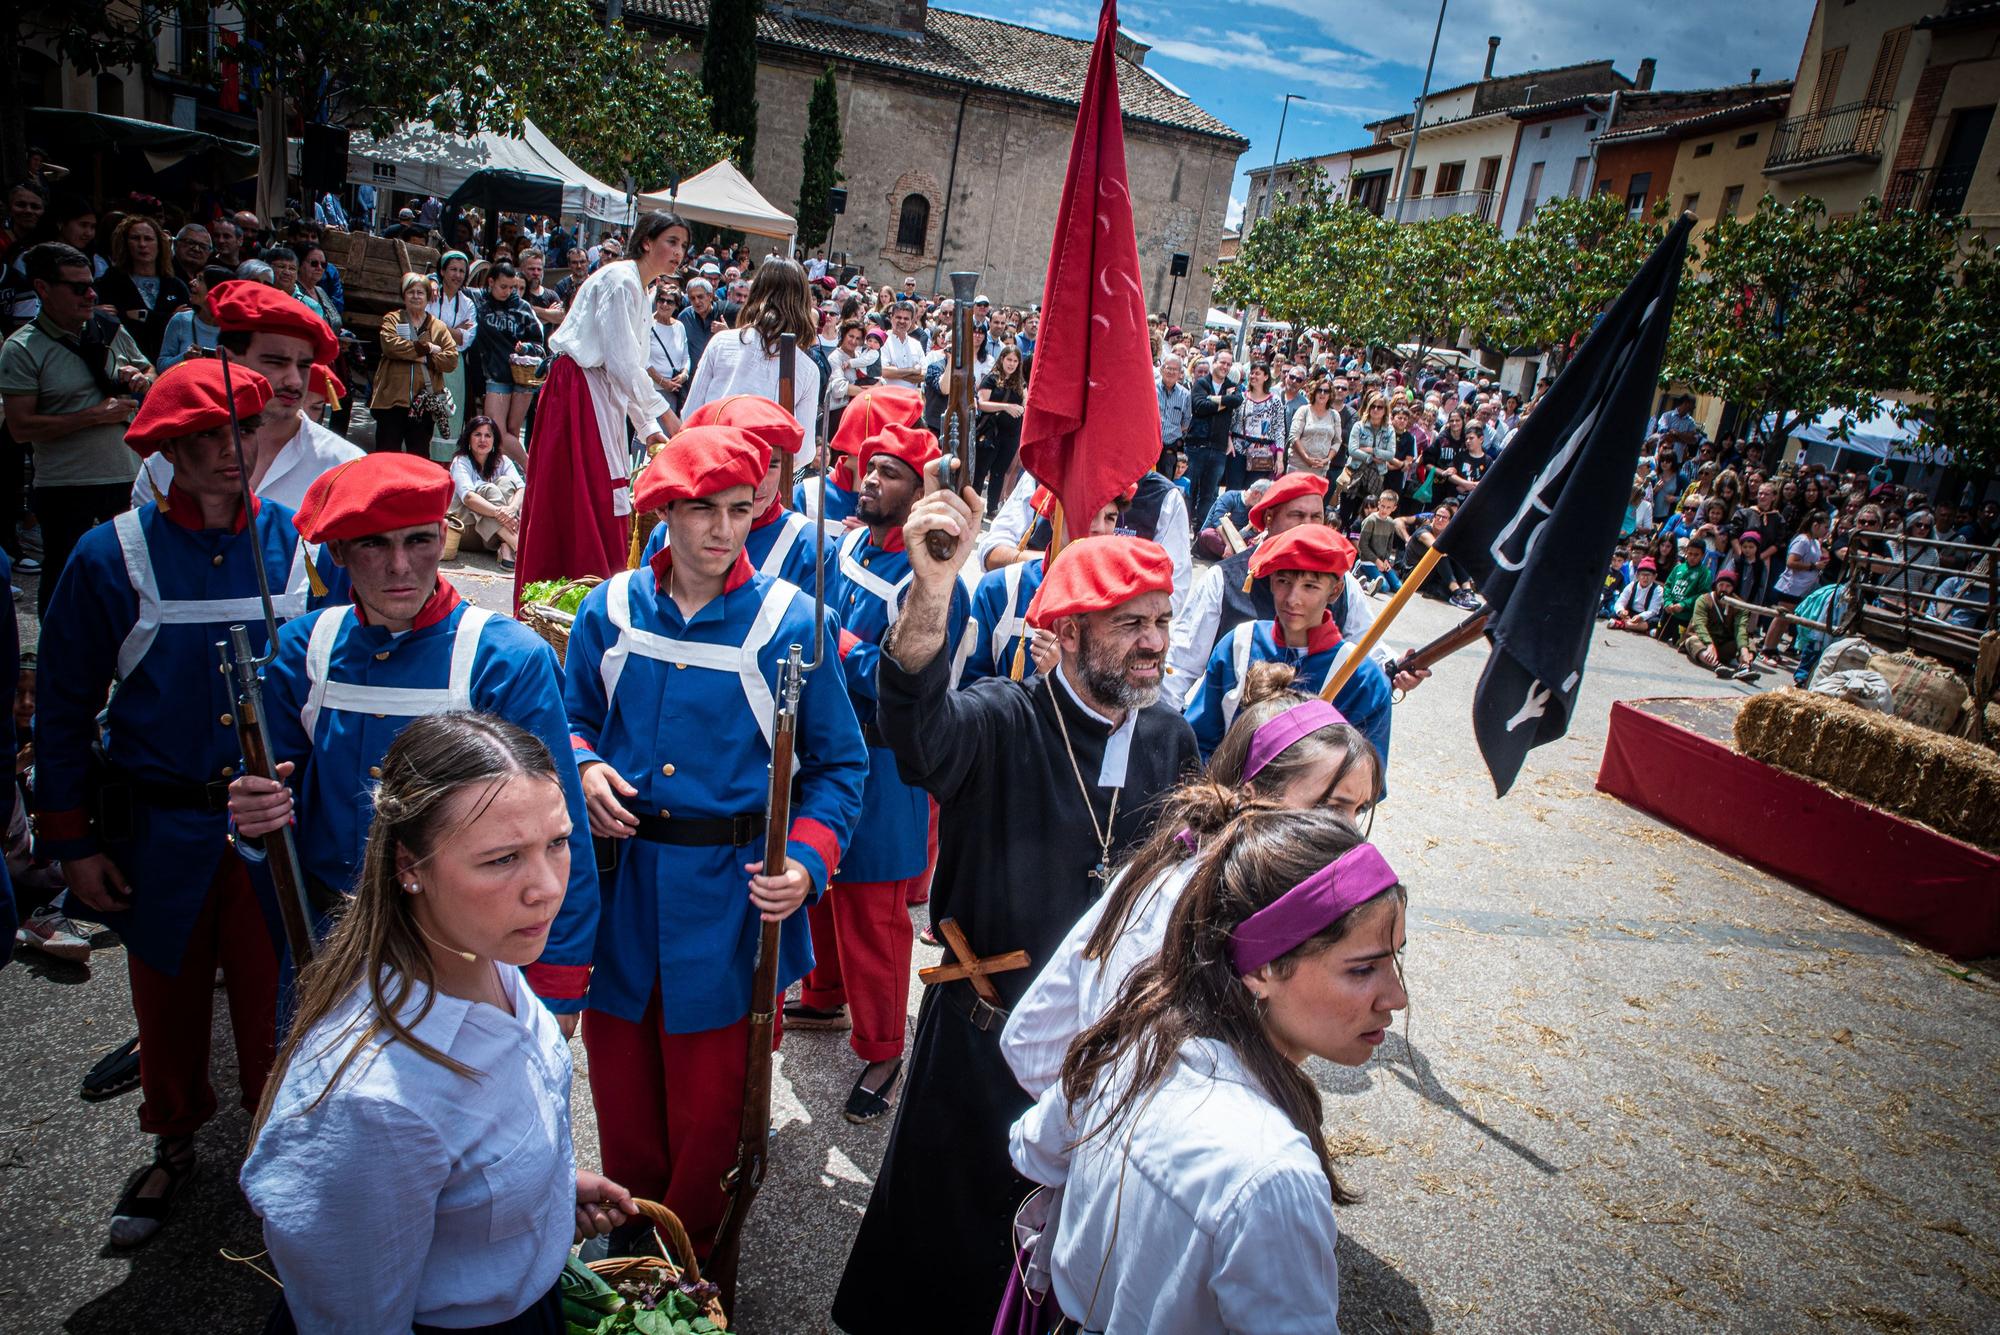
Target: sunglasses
{"x":81,"y":289}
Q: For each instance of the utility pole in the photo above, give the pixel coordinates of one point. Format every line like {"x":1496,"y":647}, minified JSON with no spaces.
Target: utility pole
{"x":1417,"y":124}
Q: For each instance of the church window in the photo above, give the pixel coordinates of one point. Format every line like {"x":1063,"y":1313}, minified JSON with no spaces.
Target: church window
{"x":913,"y":223}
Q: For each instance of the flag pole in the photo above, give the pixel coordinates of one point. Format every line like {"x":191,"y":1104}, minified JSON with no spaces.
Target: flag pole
{"x":1373,"y":635}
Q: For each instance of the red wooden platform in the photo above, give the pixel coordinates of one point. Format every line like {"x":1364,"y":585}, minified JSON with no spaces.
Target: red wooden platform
{"x":1676,"y":759}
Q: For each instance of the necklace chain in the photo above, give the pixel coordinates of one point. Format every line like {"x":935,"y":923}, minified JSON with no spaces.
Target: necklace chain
{"x":1106,"y":830}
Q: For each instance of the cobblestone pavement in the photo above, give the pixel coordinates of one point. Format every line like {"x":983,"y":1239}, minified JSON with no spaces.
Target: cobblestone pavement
{"x":1642,"y":1087}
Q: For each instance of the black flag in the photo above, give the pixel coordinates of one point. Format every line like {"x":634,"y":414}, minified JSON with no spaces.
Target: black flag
{"x":1538,"y":531}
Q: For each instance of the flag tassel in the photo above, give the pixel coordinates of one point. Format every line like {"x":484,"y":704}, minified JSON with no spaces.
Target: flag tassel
{"x":1373,"y":634}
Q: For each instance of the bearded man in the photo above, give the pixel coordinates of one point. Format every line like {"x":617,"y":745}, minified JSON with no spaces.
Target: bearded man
{"x":1043,"y":786}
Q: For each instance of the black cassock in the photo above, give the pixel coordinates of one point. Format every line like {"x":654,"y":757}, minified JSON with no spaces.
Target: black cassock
{"x":1015,"y":855}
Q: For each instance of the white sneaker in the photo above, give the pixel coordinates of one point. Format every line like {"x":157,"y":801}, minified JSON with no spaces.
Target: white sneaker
{"x":54,"y":934}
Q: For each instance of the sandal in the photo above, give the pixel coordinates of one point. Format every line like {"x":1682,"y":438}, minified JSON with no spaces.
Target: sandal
{"x":800,"y":1016}
{"x":865,"y":1105}
{"x":137,"y":1218}
{"x":116,"y":1074}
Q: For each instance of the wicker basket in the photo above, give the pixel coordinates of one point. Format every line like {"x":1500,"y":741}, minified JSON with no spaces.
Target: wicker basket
{"x":529,"y":374}
{"x":676,"y":1262}
{"x":454,"y":534}
{"x":552,"y":625}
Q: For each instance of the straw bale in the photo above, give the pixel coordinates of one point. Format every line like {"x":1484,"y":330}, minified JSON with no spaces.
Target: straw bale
{"x":1947,"y":783}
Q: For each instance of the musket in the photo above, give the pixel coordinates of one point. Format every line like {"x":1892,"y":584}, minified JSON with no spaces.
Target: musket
{"x":788,"y":365}
{"x":1468,"y":631}
{"x":956,"y":470}
{"x":746,"y":1175}
{"x":287,"y":876}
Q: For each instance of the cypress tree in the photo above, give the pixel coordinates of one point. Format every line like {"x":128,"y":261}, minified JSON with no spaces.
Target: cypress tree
{"x":729,"y":73}
{"x":822,"y":164}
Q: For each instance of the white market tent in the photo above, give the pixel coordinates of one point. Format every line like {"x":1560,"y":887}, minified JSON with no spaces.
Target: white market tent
{"x":423,"y":160}
{"x":1880,"y":435}
{"x":724,"y":197}
{"x":1221,"y":319}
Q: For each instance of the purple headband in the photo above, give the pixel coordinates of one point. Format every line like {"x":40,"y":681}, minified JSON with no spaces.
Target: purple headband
{"x":1279,"y":731}
{"x":1310,"y":907}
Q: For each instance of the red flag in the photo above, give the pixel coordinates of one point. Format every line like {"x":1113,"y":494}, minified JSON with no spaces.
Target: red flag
{"x":1092,"y":426}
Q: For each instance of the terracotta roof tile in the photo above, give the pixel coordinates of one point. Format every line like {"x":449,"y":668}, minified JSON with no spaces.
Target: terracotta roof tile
{"x":960,"y":49}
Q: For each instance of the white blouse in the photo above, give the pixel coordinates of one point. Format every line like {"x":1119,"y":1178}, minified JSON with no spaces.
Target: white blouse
{"x":1072,"y":993}
{"x":606,"y":330}
{"x":735,"y":363}
{"x":667,"y":348}
{"x":413,"y":1194}
{"x":1205,"y":1210}
{"x":465,"y":476}
{"x":459,"y":315}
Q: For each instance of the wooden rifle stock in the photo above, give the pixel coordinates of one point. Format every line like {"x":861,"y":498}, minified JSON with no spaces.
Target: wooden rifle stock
{"x":1468,"y":631}
{"x":282,"y":855}
{"x":746,"y":1175}
{"x":788,"y":367}
{"x":960,"y":406}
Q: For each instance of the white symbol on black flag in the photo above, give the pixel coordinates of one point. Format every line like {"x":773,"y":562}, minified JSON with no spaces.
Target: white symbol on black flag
{"x":1537,"y":532}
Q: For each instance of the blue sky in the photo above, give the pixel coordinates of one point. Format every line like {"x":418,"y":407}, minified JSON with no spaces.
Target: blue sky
{"x":1360,"y":60}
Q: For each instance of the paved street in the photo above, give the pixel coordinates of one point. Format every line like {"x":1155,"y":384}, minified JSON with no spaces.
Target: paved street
{"x":1642,"y":1086}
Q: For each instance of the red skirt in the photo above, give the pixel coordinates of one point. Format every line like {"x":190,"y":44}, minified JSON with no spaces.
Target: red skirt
{"x":567,"y":525}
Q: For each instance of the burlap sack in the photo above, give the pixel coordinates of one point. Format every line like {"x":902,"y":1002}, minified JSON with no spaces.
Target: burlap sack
{"x":1846,"y":655}
{"x":1928,"y":693}
{"x":1867,"y":689}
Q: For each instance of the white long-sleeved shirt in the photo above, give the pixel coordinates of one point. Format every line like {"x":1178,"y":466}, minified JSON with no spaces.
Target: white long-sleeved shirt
{"x":1198,"y":622}
{"x":411,"y":1193}
{"x":459,"y":315}
{"x":1635,"y":600}
{"x":1206,"y":1210}
{"x":606,"y":331}
{"x":1072,"y":993}
{"x":1016,"y":520}
{"x":735,"y":363}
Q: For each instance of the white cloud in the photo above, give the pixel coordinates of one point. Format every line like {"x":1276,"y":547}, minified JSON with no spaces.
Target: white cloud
{"x":1055,"y":18}
{"x":1234,"y":218}
{"x":1332,"y":70}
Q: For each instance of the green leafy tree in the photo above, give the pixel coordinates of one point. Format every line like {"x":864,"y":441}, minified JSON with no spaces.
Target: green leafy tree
{"x":613,"y":103}
{"x":1549,"y":282}
{"x":1957,"y":372}
{"x":729,"y":73}
{"x":1311,"y":262}
{"x":90,"y":36}
{"x":1434,"y":282}
{"x":822,"y":167}
{"x":1795,"y":312}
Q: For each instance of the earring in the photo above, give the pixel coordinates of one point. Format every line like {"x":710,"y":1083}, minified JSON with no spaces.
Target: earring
{"x":413,"y":887}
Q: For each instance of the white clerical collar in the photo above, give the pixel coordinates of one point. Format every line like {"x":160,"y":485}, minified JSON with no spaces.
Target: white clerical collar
{"x":1117,"y":747}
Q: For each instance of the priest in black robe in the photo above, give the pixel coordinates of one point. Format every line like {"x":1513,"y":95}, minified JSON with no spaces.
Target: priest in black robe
{"x":1043,"y":785}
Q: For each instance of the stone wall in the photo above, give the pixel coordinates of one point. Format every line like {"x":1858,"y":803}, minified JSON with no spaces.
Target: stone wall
{"x":995,"y":212}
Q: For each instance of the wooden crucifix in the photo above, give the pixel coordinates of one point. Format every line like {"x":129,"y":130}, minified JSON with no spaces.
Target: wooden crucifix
{"x":971,"y":966}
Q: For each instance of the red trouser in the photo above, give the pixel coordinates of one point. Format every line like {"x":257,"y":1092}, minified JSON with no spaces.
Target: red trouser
{"x":921,"y":893}
{"x":861,"y":959}
{"x":174,"y":1010}
{"x":669,"y":1109}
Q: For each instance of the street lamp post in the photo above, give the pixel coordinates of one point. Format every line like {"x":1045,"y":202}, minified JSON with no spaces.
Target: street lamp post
{"x":1417,"y":123}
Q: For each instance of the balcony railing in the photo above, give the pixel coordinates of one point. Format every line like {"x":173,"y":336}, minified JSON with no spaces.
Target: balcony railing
{"x":1427,"y":208}
{"x":1852,"y":133}
{"x":1939,"y":190}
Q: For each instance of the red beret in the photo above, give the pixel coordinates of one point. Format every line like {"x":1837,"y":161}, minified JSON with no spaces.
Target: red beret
{"x":911,"y":444}
{"x":765,"y":420}
{"x":244,"y":306}
{"x":326,"y":384}
{"x":1316,"y":547}
{"x":1094,"y":574}
{"x":377,"y":493}
{"x":701,"y":461}
{"x":871,"y":409}
{"x":1287,"y":488}
{"x":188,"y":400}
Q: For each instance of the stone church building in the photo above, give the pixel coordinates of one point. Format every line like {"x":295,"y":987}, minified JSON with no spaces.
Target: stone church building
{"x":956,"y":133}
